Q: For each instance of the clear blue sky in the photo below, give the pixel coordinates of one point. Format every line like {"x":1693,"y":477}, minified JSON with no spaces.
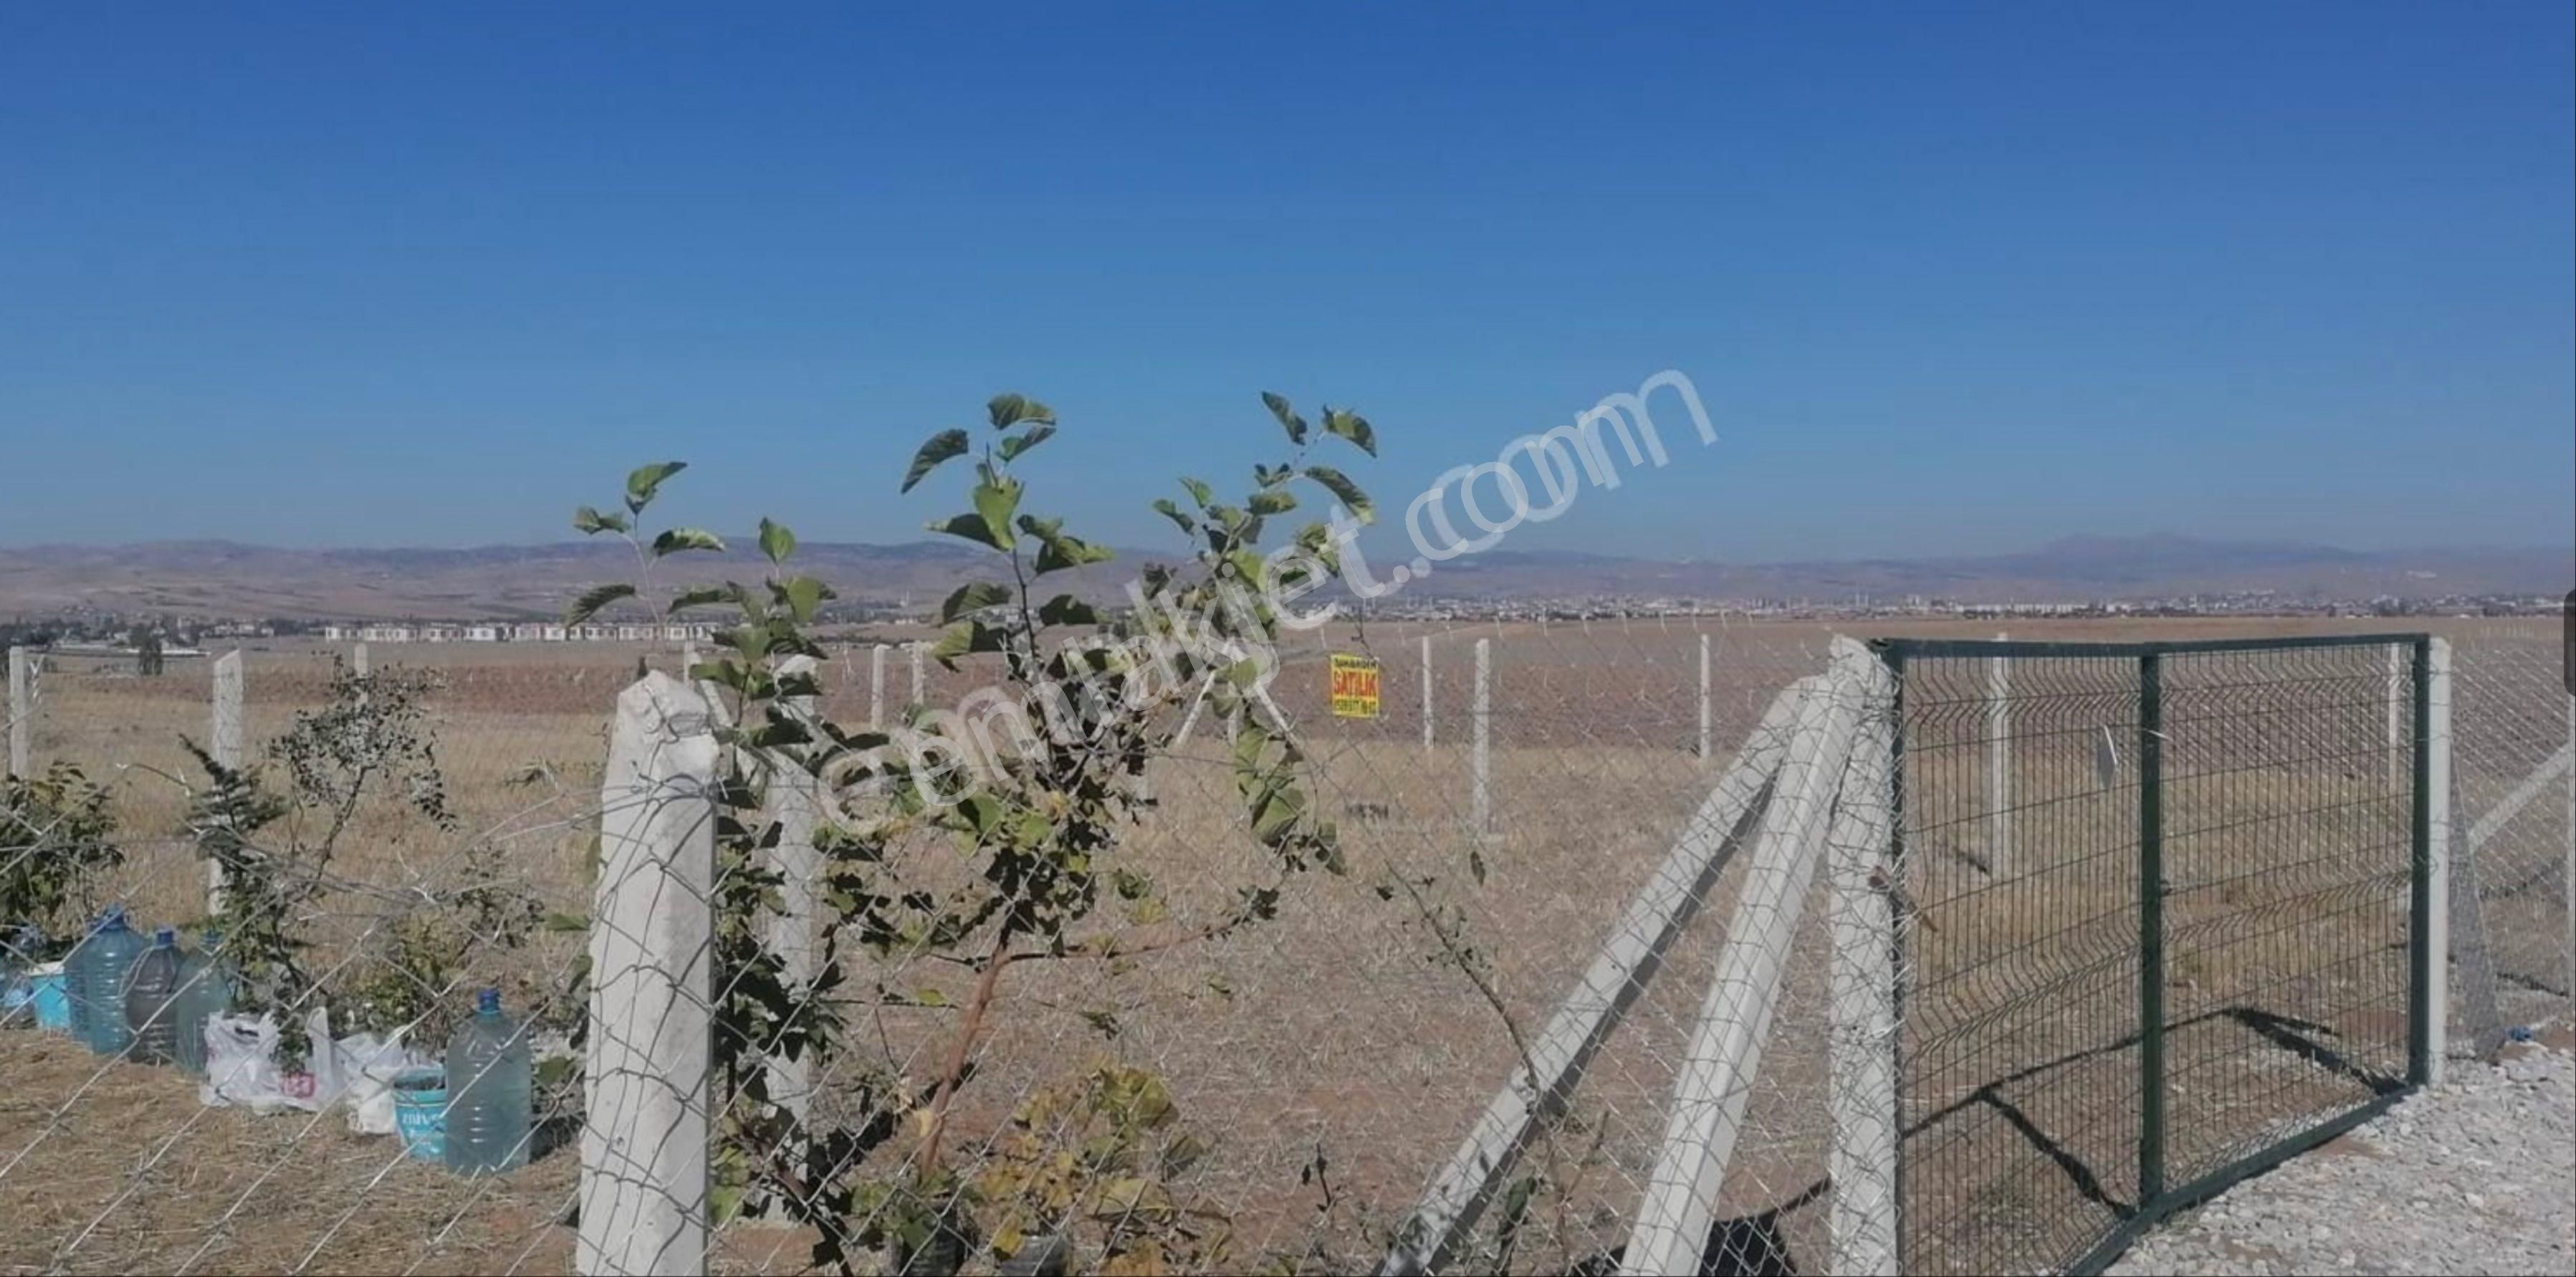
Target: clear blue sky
{"x":1950,"y":278}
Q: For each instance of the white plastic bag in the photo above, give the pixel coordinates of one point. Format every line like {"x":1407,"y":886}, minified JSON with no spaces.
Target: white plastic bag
{"x":366,"y":1066}
{"x":241,"y":1066}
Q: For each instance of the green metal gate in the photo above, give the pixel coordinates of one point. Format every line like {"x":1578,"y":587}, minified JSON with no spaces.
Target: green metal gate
{"x":2174,"y":919}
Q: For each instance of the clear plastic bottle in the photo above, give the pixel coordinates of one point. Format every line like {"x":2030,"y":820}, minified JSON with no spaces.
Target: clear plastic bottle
{"x":205,"y":991}
{"x":18,"y":948}
{"x":152,"y":999}
{"x":490,"y":1091}
{"x":106,"y":959}
{"x":76,"y":981}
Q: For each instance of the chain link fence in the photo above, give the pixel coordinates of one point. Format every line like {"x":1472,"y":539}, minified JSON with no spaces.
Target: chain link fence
{"x":1648,"y":796}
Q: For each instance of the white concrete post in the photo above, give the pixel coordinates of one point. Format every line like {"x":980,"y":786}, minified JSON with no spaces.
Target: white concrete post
{"x":1998,"y":764}
{"x":1714,"y":1082}
{"x":688,"y":657}
{"x":797,"y":797}
{"x":2398,"y":745}
{"x":1481,"y":809}
{"x":22,"y":714}
{"x":1703,"y":699}
{"x":920,"y":688}
{"x":224,"y":742}
{"x":1426,"y":693}
{"x":645,"y":1140}
{"x":876,"y":687}
{"x":2437,"y":738}
{"x":1861,"y":1162}
{"x":358,"y":659}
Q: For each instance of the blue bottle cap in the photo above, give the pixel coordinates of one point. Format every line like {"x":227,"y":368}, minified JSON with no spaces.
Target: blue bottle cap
{"x":113,"y":918}
{"x":165,"y":937}
{"x":488,"y":1001}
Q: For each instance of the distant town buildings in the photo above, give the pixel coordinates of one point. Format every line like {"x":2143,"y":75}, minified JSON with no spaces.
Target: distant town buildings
{"x":522,"y":632}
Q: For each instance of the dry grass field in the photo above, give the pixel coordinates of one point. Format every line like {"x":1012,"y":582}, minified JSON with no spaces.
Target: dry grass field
{"x":1346,"y":1028}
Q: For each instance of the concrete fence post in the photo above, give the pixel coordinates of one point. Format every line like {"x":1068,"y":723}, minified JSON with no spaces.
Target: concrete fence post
{"x":1481,"y":809}
{"x":796,"y":796}
{"x":1999,"y":853}
{"x":1703,"y":699}
{"x":358,"y":659}
{"x":920,"y":687}
{"x":224,"y":740}
{"x":1427,"y":718}
{"x":876,"y":687}
{"x":22,"y":714}
{"x":2398,"y":691}
{"x":2437,"y":801}
{"x":1859,"y":849}
{"x":645,"y":1139}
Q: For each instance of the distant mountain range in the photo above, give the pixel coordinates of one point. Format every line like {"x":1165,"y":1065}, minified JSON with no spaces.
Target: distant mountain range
{"x":220,"y":578}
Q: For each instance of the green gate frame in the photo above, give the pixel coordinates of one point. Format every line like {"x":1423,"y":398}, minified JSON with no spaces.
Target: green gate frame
{"x":2156,"y":1200}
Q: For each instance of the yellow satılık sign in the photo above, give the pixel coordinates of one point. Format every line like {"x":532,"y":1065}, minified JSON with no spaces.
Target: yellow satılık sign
{"x":1354,"y":686}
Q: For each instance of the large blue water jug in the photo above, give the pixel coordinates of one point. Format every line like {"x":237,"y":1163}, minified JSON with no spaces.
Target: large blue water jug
{"x":490,"y":1091}
{"x":152,"y":999}
{"x":105,"y":960}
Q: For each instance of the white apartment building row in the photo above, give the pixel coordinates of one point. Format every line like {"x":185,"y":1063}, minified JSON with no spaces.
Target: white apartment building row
{"x":522,"y":632}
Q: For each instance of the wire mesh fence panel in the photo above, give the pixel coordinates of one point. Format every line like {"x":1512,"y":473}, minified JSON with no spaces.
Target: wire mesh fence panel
{"x":2287,"y":856}
{"x":2515,"y":835}
{"x":1189,"y":1081}
{"x":2020,"y":1040}
{"x":2197,"y":950}
{"x":401,"y":840}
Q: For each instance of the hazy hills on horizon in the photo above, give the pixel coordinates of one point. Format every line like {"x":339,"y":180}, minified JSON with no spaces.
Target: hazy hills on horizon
{"x":223,"y":578}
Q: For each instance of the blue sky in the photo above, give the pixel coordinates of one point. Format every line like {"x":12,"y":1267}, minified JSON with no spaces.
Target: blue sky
{"x":1951,"y":279}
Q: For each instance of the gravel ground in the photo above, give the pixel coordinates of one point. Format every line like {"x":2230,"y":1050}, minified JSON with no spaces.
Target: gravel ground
{"x":2476,"y":1176}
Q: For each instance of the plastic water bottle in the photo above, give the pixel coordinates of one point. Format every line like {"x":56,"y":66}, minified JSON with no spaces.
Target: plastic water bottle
{"x":490,"y":1091}
{"x":18,"y":949}
{"x":76,"y":981}
{"x":152,"y":999}
{"x":105,"y":962}
{"x":205,"y":991}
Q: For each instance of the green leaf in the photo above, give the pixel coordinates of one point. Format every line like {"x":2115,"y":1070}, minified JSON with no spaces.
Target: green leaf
{"x":1351,"y":426}
{"x":972,"y":597}
{"x":567,"y":922}
{"x":1057,"y":551}
{"x":681,"y":540}
{"x":803,"y":595}
{"x":1164,"y":507}
{"x":595,"y":598}
{"x":591,"y":522}
{"x":1271,"y":503}
{"x":997,"y":502}
{"x":1288,"y":420}
{"x":963,"y":637}
{"x":776,"y":541}
{"x":1064,"y":609}
{"x":1016,"y":444}
{"x":940,"y":447}
{"x":699,"y":597}
{"x":644,"y":481}
{"x":969,"y":526}
{"x":1007,"y":411}
{"x":930,"y":997}
{"x":1344,"y":491}
{"x":1199,"y":491}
